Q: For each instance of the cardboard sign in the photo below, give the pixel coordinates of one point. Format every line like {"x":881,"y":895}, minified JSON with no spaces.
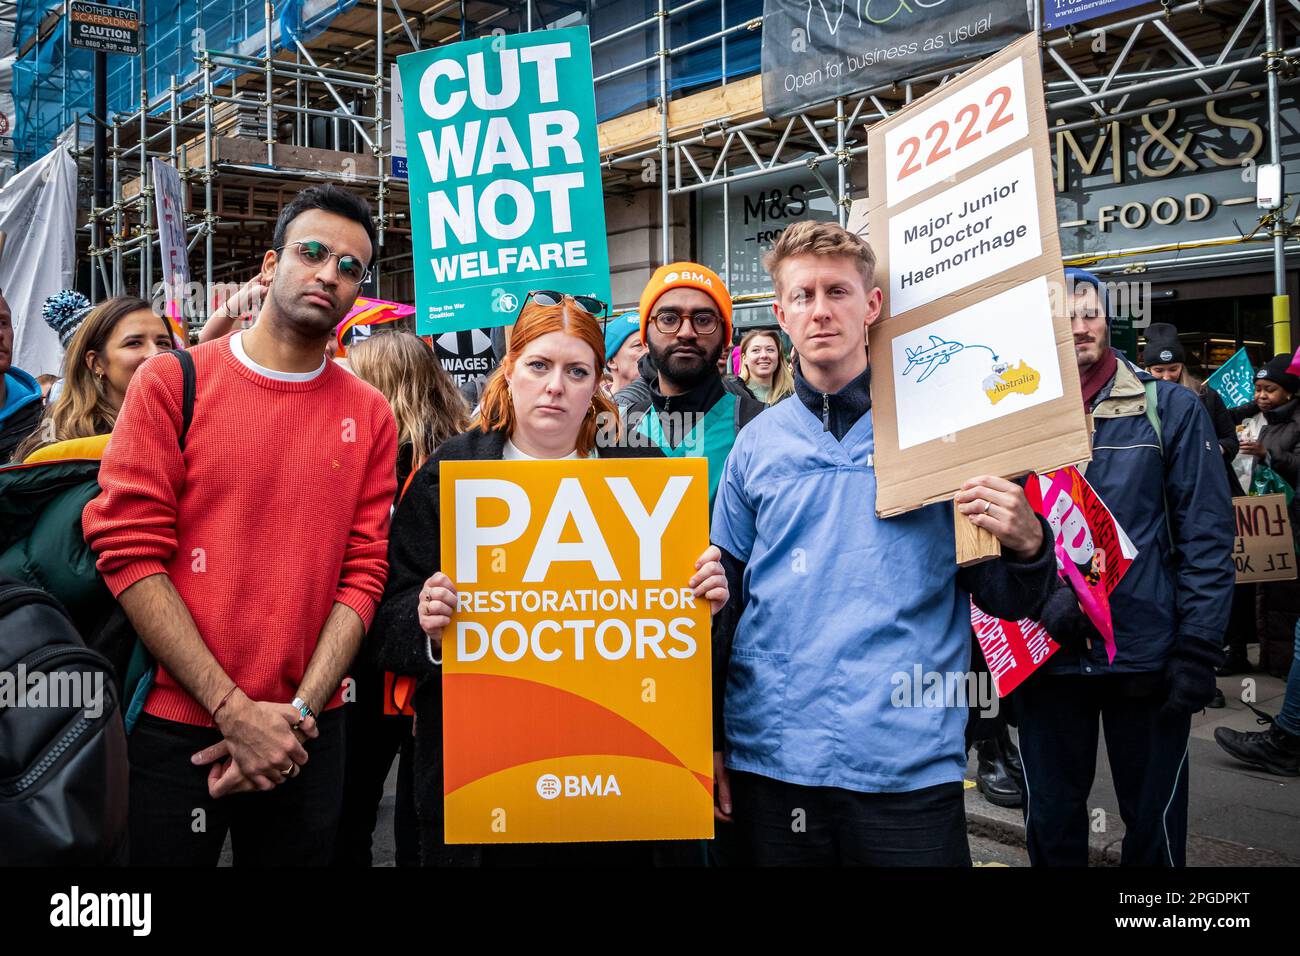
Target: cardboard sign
{"x":1012,"y":649}
{"x":576,"y":669}
{"x":972,"y":357}
{"x":169,"y":202}
{"x":1234,"y":380}
{"x":1264,"y":549}
{"x":504,"y":169}
{"x":1092,"y":551}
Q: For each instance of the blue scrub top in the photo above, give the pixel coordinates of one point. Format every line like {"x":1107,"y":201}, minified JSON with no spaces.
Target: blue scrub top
{"x":841,"y":609}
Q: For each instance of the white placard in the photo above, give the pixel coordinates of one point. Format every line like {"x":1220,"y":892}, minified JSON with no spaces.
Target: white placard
{"x":969,"y":232}
{"x":955,"y":133}
{"x":989,"y":360}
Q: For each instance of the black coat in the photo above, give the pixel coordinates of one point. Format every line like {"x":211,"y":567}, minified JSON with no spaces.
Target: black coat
{"x":1280,"y":437}
{"x":402,"y":647}
{"x":1225,"y":430}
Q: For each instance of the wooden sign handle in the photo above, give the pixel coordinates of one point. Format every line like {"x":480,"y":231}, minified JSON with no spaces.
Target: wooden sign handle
{"x":974,"y":544}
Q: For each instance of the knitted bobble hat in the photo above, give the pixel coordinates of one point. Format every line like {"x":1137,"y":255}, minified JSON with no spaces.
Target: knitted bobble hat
{"x":64,"y":312}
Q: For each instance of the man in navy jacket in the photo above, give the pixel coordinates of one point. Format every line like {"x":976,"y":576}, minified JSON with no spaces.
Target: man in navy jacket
{"x":1159,"y":472}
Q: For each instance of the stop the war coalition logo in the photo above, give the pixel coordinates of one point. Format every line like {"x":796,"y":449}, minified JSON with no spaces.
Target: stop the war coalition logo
{"x":814,"y":50}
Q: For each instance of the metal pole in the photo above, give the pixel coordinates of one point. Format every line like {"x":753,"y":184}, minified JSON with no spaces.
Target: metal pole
{"x":146,"y":180}
{"x":99,"y":153}
{"x":117,"y":216}
{"x":1281,"y":301}
{"x":665,"y":248}
{"x":722,"y":26}
{"x":381,"y":149}
{"x":266,"y":66}
{"x":841,"y":164}
{"x":207,"y":185}
{"x":726,"y":229}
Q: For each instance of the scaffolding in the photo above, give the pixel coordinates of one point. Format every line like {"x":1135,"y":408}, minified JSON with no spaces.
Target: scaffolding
{"x":248,"y":128}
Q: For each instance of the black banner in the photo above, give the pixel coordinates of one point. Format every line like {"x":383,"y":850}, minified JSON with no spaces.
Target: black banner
{"x":816,"y":50}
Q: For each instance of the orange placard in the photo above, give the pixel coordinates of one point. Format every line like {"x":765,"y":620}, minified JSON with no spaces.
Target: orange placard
{"x":576,"y":669}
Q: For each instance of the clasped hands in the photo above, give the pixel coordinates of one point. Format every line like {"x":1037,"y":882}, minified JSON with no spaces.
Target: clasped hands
{"x":261,"y":746}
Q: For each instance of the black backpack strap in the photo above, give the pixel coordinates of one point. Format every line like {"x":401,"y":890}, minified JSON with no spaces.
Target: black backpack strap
{"x":187,"y":393}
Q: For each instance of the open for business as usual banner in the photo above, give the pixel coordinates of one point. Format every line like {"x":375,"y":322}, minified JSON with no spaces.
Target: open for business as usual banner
{"x":576,"y":669}
{"x":816,"y":50}
{"x":505,"y":176}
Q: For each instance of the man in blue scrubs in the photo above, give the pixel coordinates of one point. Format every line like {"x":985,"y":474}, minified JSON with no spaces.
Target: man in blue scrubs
{"x":825,"y":760}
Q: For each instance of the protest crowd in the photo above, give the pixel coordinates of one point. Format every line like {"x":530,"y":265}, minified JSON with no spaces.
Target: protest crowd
{"x":254,"y":610}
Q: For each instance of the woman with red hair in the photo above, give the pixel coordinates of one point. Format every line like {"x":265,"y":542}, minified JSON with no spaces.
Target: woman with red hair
{"x":543,"y":403}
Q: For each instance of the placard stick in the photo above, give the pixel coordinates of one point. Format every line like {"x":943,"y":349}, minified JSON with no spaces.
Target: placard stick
{"x":975,"y":545}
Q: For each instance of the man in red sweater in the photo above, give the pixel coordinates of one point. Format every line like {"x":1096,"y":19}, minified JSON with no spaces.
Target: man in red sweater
{"x":251,"y":560}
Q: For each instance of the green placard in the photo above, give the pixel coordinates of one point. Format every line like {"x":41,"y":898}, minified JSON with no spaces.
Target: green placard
{"x":505,"y":176}
{"x":1234,"y":380}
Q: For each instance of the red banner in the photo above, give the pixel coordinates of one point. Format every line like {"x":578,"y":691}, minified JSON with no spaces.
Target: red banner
{"x":1012,"y":649}
{"x":1092,"y":551}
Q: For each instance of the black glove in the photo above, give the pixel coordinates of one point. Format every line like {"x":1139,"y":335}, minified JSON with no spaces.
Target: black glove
{"x":1065,"y":620}
{"x":1190,"y":674}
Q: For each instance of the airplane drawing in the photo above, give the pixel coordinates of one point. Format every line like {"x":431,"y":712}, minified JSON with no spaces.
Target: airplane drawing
{"x":938,"y":352}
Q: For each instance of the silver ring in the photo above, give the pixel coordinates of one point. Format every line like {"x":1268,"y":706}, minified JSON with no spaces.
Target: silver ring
{"x":988,"y":506}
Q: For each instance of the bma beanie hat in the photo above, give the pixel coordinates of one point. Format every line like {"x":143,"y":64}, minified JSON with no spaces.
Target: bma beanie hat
{"x":617,"y":331}
{"x":64,"y":312}
{"x":1275,"y":371}
{"x":1073,"y":277}
{"x":1163,"y":346}
{"x":688,"y":275}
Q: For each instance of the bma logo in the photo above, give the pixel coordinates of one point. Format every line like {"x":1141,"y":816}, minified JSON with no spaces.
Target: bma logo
{"x":549,"y":786}
{"x":688,"y":277}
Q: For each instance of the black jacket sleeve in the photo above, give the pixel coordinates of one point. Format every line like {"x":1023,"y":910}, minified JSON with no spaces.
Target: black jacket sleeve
{"x":1242,"y":412}
{"x":413,"y":555}
{"x":1224,"y":429}
{"x":724,"y":632}
{"x":1282,"y":442}
{"x":1013,"y":589}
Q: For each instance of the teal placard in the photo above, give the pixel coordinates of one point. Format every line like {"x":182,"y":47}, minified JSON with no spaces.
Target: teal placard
{"x":505,"y":176}
{"x":1234,"y":380}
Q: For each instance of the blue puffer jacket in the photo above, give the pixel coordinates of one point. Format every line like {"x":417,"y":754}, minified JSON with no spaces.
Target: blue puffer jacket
{"x":1171,"y":595}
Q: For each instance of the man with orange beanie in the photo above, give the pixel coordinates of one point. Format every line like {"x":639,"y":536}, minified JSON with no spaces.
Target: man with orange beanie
{"x":685,"y":324}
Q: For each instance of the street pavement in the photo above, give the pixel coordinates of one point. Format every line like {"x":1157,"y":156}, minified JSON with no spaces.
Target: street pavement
{"x":1237,"y":816}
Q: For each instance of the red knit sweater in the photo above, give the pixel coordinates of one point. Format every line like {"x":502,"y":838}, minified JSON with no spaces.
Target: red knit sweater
{"x":278,"y":507}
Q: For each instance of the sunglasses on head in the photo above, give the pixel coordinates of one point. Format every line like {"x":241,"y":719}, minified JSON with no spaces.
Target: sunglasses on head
{"x":587,"y":303}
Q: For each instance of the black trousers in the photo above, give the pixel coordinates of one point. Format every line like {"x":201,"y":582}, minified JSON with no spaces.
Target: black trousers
{"x":373,"y":740}
{"x":785,"y":824}
{"x":1057,"y":719}
{"x":173,"y":821}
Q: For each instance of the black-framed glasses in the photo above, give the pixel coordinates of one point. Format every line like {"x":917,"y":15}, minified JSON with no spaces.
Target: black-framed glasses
{"x":316,"y":253}
{"x":587,"y":303}
{"x":668,"y":321}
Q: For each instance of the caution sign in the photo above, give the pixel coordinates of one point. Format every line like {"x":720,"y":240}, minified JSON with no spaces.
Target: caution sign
{"x":97,"y":26}
{"x":576,"y":668}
